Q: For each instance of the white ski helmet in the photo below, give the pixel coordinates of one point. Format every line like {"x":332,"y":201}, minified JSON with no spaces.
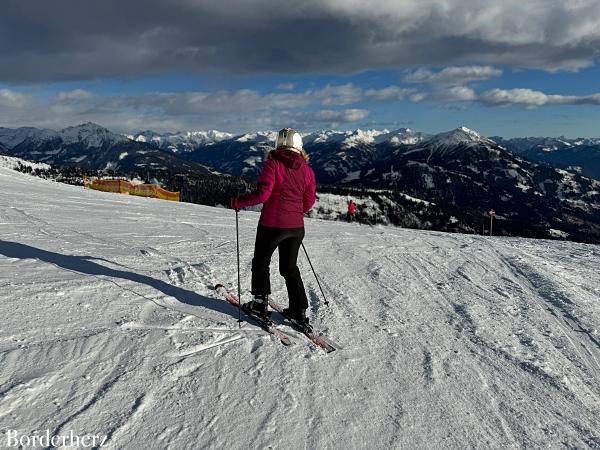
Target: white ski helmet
{"x":289,"y":138}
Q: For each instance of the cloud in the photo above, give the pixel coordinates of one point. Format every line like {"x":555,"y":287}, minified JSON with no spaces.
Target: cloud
{"x":453,"y":75}
{"x":389,"y":93}
{"x":74,"y":95}
{"x":239,"y":110}
{"x":418,"y":97}
{"x":345,"y":94}
{"x":455,"y":94}
{"x":504,"y":97}
{"x":531,"y":98}
{"x":324,"y":118}
{"x":286,"y":86}
{"x":74,"y":40}
{"x":247,"y":109}
{"x":13,"y":99}
{"x":347,"y":115}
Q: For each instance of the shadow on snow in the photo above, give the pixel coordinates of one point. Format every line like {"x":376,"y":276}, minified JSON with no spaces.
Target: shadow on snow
{"x":86,"y":265}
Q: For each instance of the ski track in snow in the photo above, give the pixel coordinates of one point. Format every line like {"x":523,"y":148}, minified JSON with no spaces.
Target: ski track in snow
{"x":448,"y":341}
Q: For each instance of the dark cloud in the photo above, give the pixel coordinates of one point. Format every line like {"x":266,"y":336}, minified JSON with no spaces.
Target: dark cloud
{"x":73,"y":39}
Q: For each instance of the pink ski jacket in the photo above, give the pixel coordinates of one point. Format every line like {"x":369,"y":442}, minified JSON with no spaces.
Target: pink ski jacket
{"x":286,"y":187}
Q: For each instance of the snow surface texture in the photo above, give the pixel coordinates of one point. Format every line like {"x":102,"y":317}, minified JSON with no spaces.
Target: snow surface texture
{"x":449,"y":341}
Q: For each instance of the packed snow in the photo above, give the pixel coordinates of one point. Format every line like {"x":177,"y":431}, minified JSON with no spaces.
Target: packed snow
{"x":110,"y":328}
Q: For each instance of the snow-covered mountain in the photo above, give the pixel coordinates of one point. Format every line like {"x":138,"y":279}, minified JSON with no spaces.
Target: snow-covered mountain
{"x":459,"y":138}
{"x":469,"y":171}
{"x":560,"y":152}
{"x":182,"y":141}
{"x":459,"y":168}
{"x":90,"y":146}
{"x":357,"y":138}
{"x":336,"y":155}
{"x":87,"y":134}
{"x":548,"y":144}
{"x":91,"y":135}
{"x":110,"y":327}
{"x":239,"y":155}
{"x":12,"y":137}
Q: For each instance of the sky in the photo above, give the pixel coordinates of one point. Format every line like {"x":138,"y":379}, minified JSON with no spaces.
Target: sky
{"x":504,"y":68}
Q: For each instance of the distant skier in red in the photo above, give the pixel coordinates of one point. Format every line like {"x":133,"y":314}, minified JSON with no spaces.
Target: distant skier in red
{"x":351,"y":210}
{"x":287,"y":188}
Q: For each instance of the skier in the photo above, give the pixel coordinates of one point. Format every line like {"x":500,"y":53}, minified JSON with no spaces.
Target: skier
{"x":351,"y":210}
{"x":287,"y":188}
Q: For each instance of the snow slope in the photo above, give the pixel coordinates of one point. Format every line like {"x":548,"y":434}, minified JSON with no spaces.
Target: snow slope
{"x":11,"y":162}
{"x":449,"y":341}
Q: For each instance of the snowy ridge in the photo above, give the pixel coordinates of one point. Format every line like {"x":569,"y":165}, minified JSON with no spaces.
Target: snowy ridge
{"x":182,"y":140}
{"x":11,"y":137}
{"x":90,"y":146}
{"x":258,"y":137}
{"x":90,"y":134}
{"x":449,"y":341}
{"x":582,"y":153}
{"x":360,"y":137}
{"x":351,"y":139}
{"x":461,"y":135}
{"x":406,"y":136}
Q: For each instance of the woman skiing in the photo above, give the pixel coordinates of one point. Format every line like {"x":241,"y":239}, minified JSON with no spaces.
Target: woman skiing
{"x":287,"y":188}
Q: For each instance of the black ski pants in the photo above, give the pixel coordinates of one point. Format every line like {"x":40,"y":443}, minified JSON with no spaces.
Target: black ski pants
{"x":288,"y":240}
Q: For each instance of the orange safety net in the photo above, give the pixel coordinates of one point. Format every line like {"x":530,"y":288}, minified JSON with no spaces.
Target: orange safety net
{"x":152,"y":190}
{"x":125,"y":187}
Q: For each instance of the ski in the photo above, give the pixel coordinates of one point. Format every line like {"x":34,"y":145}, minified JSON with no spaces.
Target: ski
{"x":264,"y":324}
{"x":316,"y":338}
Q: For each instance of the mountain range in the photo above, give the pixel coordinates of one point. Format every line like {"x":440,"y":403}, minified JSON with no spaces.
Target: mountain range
{"x":583,"y":154}
{"x":92,"y":147}
{"x":458,"y":169}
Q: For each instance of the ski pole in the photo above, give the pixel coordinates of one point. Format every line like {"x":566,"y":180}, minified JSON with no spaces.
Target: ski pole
{"x":237,"y":240}
{"x":315,"y":273}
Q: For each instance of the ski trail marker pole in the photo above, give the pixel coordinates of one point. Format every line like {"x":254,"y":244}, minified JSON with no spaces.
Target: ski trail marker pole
{"x":315,"y":273}
{"x":237,"y":240}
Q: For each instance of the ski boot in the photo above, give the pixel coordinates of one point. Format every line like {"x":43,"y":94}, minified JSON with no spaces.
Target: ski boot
{"x":259,"y":306}
{"x":298,"y":316}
